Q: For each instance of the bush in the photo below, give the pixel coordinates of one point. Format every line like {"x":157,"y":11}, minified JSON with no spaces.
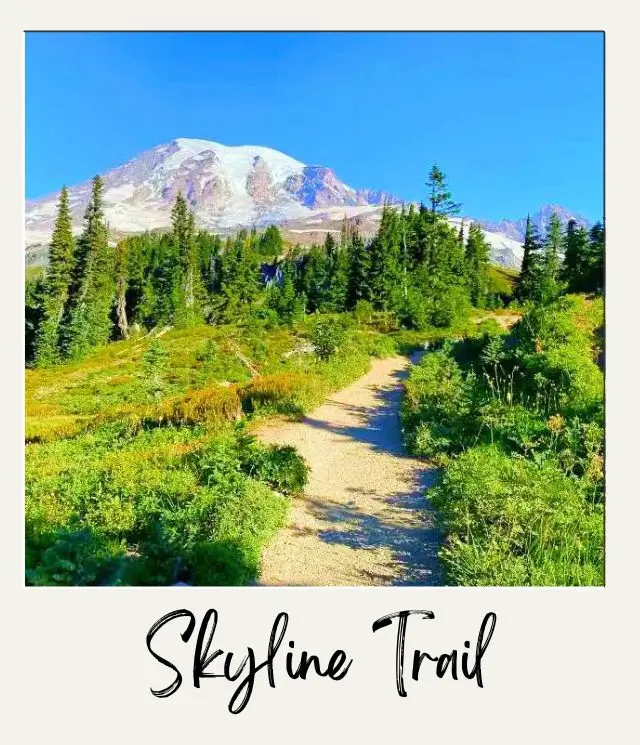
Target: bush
{"x":115,"y":506}
{"x":522,"y":503}
{"x":327,"y":336}
{"x":435,"y":405}
{"x":154,"y":365}
{"x":512,"y":522}
{"x":275,"y":393}
{"x":363,"y":312}
{"x":208,"y":406}
{"x":73,"y":558}
{"x":280,"y":466}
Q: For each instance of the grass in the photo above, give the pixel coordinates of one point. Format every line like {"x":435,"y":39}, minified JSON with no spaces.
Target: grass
{"x":516,"y":422}
{"x":502,"y":280}
{"x":139,"y":463}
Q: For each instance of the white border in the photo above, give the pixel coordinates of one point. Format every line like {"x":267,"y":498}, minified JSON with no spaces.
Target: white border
{"x":563,"y":663}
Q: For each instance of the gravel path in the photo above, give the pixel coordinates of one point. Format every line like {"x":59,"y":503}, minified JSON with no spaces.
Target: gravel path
{"x":363,"y":519}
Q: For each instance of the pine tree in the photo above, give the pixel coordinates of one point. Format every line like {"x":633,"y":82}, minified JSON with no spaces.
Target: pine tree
{"x":270,"y":243}
{"x":185,"y":277}
{"x":477,"y":266}
{"x":385,"y":268}
{"x":93,"y":287}
{"x":282,"y":297}
{"x":140,"y":256}
{"x":576,"y":250}
{"x":240,"y":277}
{"x":440,"y":202}
{"x":330,"y":247}
{"x":359,"y":272}
{"x":338,"y":275}
{"x":209,"y":247}
{"x":594,"y":262}
{"x":56,"y":285}
{"x":549,"y":286}
{"x":527,"y":281}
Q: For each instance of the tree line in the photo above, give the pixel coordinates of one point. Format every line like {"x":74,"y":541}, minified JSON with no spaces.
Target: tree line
{"x":417,"y":268}
{"x":564,"y":261}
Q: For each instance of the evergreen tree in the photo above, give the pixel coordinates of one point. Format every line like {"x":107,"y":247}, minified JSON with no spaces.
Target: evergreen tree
{"x":330,"y":247}
{"x":576,"y":250}
{"x":140,"y":257}
{"x":240,"y":277}
{"x":526,"y":284}
{"x":359,"y":270}
{"x":313,"y":278}
{"x":283,"y":297}
{"x":270,"y":243}
{"x":56,"y":285}
{"x":33,"y":312}
{"x":209,"y":250}
{"x":184,"y":276}
{"x":385,"y":268}
{"x":93,"y":287}
{"x":440,"y":202}
{"x":549,"y":285}
{"x":477,"y":266}
{"x":594,"y":261}
{"x":337,"y":275}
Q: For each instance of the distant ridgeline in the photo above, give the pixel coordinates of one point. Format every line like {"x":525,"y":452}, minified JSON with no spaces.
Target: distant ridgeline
{"x":417,"y":267}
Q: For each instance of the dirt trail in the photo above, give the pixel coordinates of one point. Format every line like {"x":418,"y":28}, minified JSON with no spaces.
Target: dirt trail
{"x":363,"y":519}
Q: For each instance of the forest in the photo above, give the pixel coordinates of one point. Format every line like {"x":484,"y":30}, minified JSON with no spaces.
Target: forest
{"x":148,"y":362}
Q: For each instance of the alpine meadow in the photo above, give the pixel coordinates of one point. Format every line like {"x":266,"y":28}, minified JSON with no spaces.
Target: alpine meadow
{"x":242,"y":371}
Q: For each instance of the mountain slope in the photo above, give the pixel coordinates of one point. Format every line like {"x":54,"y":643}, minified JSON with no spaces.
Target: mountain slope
{"x":231,"y":187}
{"x":515,"y":229}
{"x":227,"y":187}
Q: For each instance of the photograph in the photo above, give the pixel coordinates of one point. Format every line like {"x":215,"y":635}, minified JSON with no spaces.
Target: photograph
{"x":314,"y":309}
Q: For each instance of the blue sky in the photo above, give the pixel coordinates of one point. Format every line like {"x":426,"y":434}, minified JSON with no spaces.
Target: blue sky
{"x":514,"y":119}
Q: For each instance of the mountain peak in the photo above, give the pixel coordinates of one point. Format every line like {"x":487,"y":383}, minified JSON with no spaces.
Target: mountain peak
{"x":227,"y":186}
{"x":233,"y":186}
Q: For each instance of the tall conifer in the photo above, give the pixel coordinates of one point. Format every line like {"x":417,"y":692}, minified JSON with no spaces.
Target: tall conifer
{"x":477,"y":265}
{"x":93,"y":285}
{"x":56,"y":285}
{"x":529,"y":269}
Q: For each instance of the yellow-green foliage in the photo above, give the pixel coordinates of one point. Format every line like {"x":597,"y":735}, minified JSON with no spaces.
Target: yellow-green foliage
{"x":207,"y":406}
{"x":502,"y":280}
{"x":132,"y":467}
{"x":281,"y":392}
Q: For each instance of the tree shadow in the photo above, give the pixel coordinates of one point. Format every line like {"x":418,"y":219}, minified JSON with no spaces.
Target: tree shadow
{"x":378,"y":425}
{"x":414,"y":546}
{"x":414,"y":542}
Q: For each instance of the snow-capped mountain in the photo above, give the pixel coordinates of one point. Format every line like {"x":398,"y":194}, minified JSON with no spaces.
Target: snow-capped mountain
{"x":231,"y":187}
{"x":226,"y":187}
{"x":505,"y":251}
{"x":540,"y":221}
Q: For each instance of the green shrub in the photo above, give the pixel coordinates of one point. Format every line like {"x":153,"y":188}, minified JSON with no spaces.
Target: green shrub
{"x":327,"y":336}
{"x":154,"y":365}
{"x":281,"y":392}
{"x":513,"y":522}
{"x":73,"y":558}
{"x":281,"y":467}
{"x":516,"y":419}
{"x":436,"y":404}
{"x":363,"y":312}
